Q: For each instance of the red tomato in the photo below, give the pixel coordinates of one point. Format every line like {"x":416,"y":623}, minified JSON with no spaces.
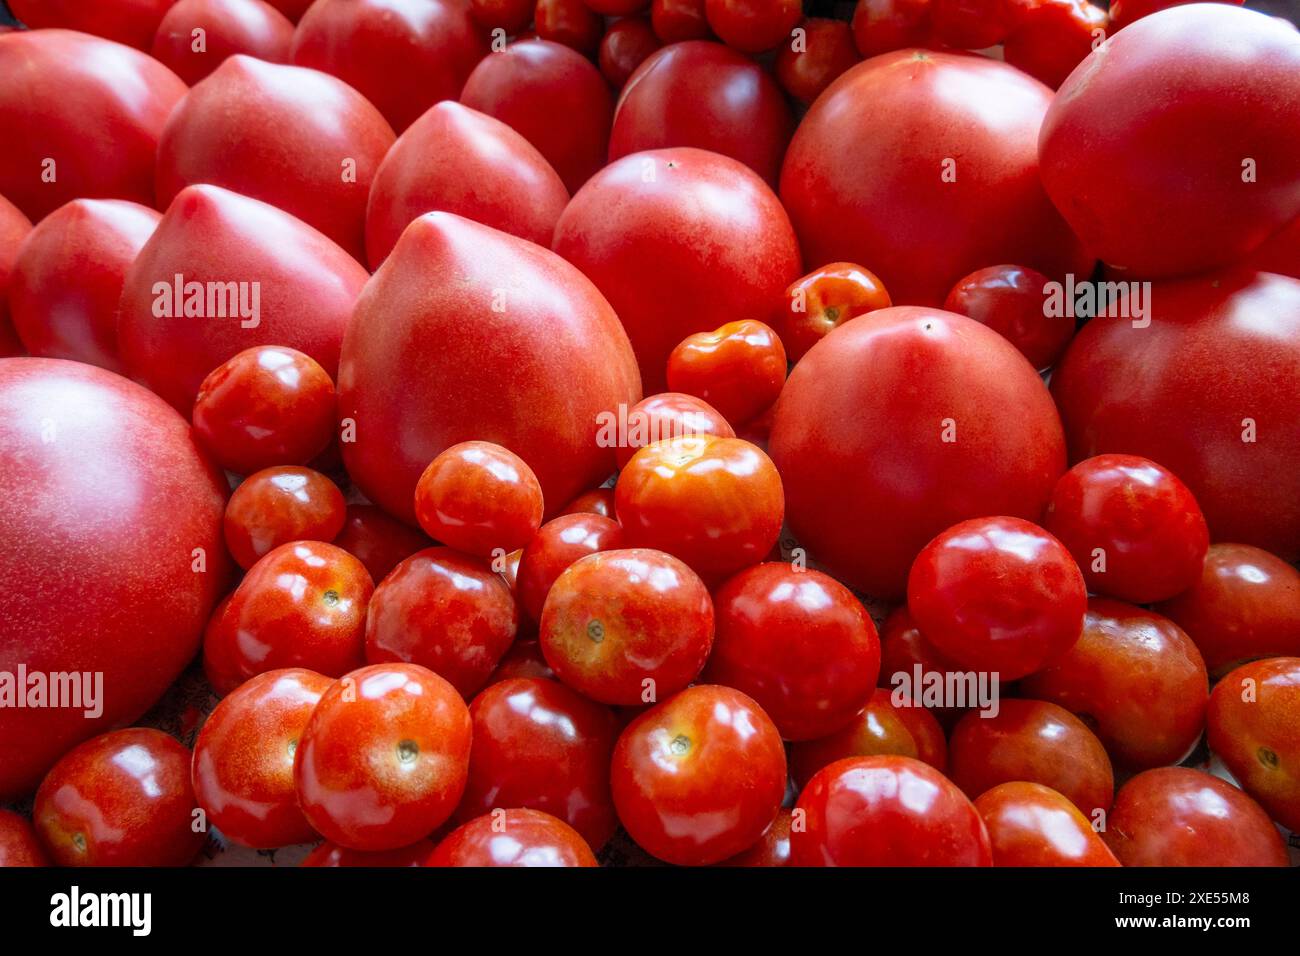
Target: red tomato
{"x":809,"y":63}
{"x":554,"y":98}
{"x":14,"y":228}
{"x":700,"y":777}
{"x":667,"y":415}
{"x":738,"y":368}
{"x":429,"y":363}
{"x":1137,"y":678}
{"x":559,"y":543}
{"x":887,"y":811}
{"x":401,"y":55}
{"x":1010,"y":300}
{"x":1246,"y":604}
{"x":716,"y":503}
{"x":92,"y":109}
{"x":599,"y":501}
{"x":299,"y":291}
{"x":331,"y":854}
{"x":710,"y":97}
{"x":799,"y":643}
{"x":1209,"y":390}
{"x":380,"y":542}
{"x":1033,"y":825}
{"x":383,"y":759}
{"x":1253,"y":724}
{"x":513,"y":838}
{"x":308,"y":144}
{"x":444,"y":610}
{"x":120,"y":799}
{"x":480,"y":498}
{"x":93,"y":466}
{"x":18,"y":843}
{"x":969,"y":24}
{"x":132,"y":22}
{"x":753,"y":26}
{"x":513,"y":16}
{"x":617,"y":8}
{"x":823,"y":300}
{"x":219,"y":665}
{"x":627,"y":627}
{"x":902,"y":650}
{"x":927,"y":732}
{"x":674,"y":238}
{"x":570,"y":22}
{"x":944,"y":142}
{"x":882,"y":26}
{"x":243,"y":758}
{"x":678,"y":20}
{"x":278,"y":505}
{"x":538,"y":744}
{"x":1124,"y":12}
{"x":878,"y":729}
{"x":1174,"y":816}
{"x":524,"y":659}
{"x":1152,"y":100}
{"x":625,"y":45}
{"x":227,"y":27}
{"x":67,"y":278}
{"x":293,"y":9}
{"x":1051,"y":37}
{"x":772,"y":848}
{"x":890,"y":464}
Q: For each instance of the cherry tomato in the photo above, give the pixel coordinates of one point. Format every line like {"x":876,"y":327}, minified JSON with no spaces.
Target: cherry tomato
{"x":1033,"y":825}
{"x":513,"y":838}
{"x":772,"y":848}
{"x":678,"y":20}
{"x":668,"y":415}
{"x":513,"y":16}
{"x":882,"y":26}
{"x":277,"y":505}
{"x":625,"y":45}
{"x":823,"y":300}
{"x":1124,"y":12}
{"x":480,"y":498}
{"x":700,"y":777}
{"x":598,"y":501}
{"x":969,"y":24}
{"x":753,"y":26}
{"x":120,"y":799}
{"x":1051,"y":37}
{"x":243,"y":758}
{"x":904,"y":649}
{"x":219,"y":664}
{"x":1010,"y":300}
{"x":570,"y":22}
{"x":808,"y":63}
{"x":617,"y":8}
{"x":879,"y":728}
{"x":524,"y":659}
{"x":559,"y":543}
{"x":18,"y":843}
{"x":227,"y":27}
{"x":383,"y":759}
{"x":378,"y":541}
{"x":738,"y":368}
{"x":331,"y":854}
{"x":927,"y":733}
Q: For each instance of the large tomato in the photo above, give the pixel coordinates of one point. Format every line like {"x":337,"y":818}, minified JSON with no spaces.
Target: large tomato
{"x":678,"y":239}
{"x":14,"y":228}
{"x":1174,"y":147}
{"x":127,"y":21}
{"x":520,"y":350}
{"x":112,"y":558}
{"x":1209,"y":390}
{"x":228,"y":27}
{"x":80,"y":117}
{"x":923,"y":166}
{"x":902,"y":423}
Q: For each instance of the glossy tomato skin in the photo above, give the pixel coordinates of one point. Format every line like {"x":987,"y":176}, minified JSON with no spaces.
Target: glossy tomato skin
{"x":823,"y":300}
{"x":1051,"y":37}
{"x":229,"y":27}
{"x":513,"y":16}
{"x":18,"y":843}
{"x":1175,"y":816}
{"x":876,"y":480}
{"x":628,"y":627}
{"x":14,"y":227}
{"x":559,"y":543}
{"x":515,"y":837}
{"x":569,"y":22}
{"x":67,"y":278}
{"x":752,"y":26}
{"x":700,"y":777}
{"x":243,"y":758}
{"x":668,"y":415}
{"x":903,"y":648}
{"x":378,"y":540}
{"x":1139,"y":219}
{"x":772,"y":848}
{"x":1253,"y":724}
{"x":598,"y":501}
{"x":281,"y":504}
{"x":479,"y":498}
{"x":624,"y":47}
{"x":1214,"y":402}
{"x":132,"y":22}
{"x":882,"y":26}
{"x":948,"y":144}
{"x":383,"y":759}
{"x":1138,"y":680}
{"x":825,"y":51}
{"x":331,"y":854}
{"x":738,"y":368}
{"x":540,"y":745}
{"x":1009,"y":299}
{"x":561,"y":347}
{"x":678,"y":20}
{"x":878,"y":729}
{"x":1033,"y":825}
{"x":120,"y":799}
{"x":95,"y":108}
{"x":887,"y":811}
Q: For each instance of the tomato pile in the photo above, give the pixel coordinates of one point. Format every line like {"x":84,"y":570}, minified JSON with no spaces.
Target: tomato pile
{"x":556,"y":425}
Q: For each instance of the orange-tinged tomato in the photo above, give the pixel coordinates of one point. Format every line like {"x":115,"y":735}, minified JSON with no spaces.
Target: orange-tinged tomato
{"x":825,"y":299}
{"x":738,"y":368}
{"x":1033,"y":825}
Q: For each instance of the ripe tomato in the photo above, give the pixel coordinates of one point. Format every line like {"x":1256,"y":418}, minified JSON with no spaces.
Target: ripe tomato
{"x":624,"y":47}
{"x":1124,"y":12}
{"x":887,"y":811}
{"x":14,"y":228}
{"x":1033,"y":825}
{"x":228,"y":27}
{"x":738,"y":368}
{"x":524,"y":659}
{"x":570,"y":22}
{"x":969,"y":24}
{"x":667,"y":415}
{"x":753,"y":26}
{"x":278,"y":505}
{"x":1174,"y":816}
{"x":1051,"y":37}
{"x":444,"y":610}
{"x":382,"y":761}
{"x":902,"y":650}
{"x":219,"y":665}
{"x":18,"y":843}
{"x":1138,"y":681}
{"x":927,"y":732}
{"x":480,"y":498}
{"x":700,"y":777}
{"x":378,"y":541}
{"x":331,"y":854}
{"x":293,"y":9}
{"x":599,"y":501}
{"x":120,"y":799}
{"x":1010,"y":300}
{"x":772,"y":848}
{"x":617,"y":8}
{"x":878,"y":729}
{"x":243,"y":758}
{"x":559,"y":543}
{"x":627,"y":627}
{"x":808,"y":64}
{"x":513,"y":838}
{"x":823,"y":300}
{"x":678,"y":20}
{"x":882,"y":26}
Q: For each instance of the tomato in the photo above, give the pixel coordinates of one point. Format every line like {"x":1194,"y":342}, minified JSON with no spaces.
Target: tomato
{"x":772,"y":848}
{"x":278,"y":505}
{"x":753,"y":26}
{"x":1208,"y":390}
{"x":18,"y":843}
{"x":513,"y":16}
{"x":944,"y":142}
{"x":444,"y":610}
{"x":559,"y":543}
{"x":1157,"y":87}
{"x":903,"y":649}
{"x":250,"y":275}
{"x":308,"y":144}
{"x":428,"y":364}
{"x":220,"y":667}
{"x":132,"y":22}
{"x":377,"y":540}
{"x":538,"y":744}
{"x":629,"y":626}
{"x":1253,"y":724}
{"x":1136,"y":679}
{"x":293,"y":9}
{"x":401,"y":55}
{"x":228,"y":27}
{"x":882,"y":26}
{"x":67,"y":278}
{"x":1124,"y":12}
{"x":480,"y":498}
{"x":524,"y":659}
{"x":678,"y":20}
{"x":1010,"y":300}
{"x":14,"y":228}
{"x":383,"y":759}
{"x":799,"y":643}
{"x":570,"y":22}
{"x":93,"y":109}
{"x":969,"y":24}
{"x":808,"y":63}
{"x":599,"y":501}
{"x":738,"y":368}
{"x":513,"y":838}
{"x":617,"y":8}
{"x":120,"y":799}
{"x":554,"y":98}
{"x":1052,"y":37}
{"x":1174,"y":816}
{"x":331,"y":854}
{"x":879,"y":728}
{"x":667,"y":415}
{"x":887,"y":811}
{"x":243,"y":758}
{"x":889,"y":461}
{"x":699,"y":777}
{"x":1033,"y":825}
{"x":624,"y":47}
{"x":1246,"y":604}
{"x":823,"y":300}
